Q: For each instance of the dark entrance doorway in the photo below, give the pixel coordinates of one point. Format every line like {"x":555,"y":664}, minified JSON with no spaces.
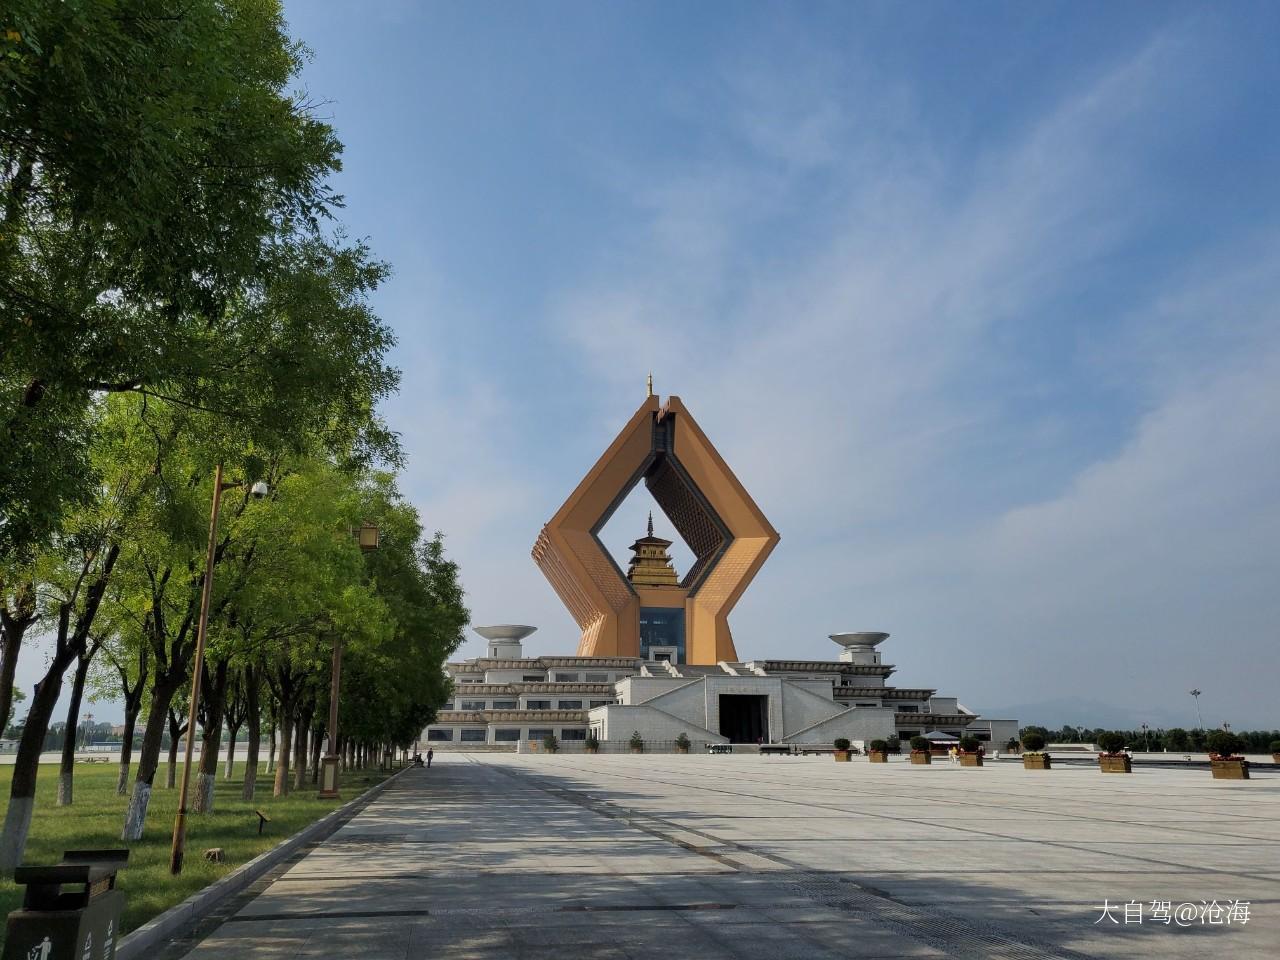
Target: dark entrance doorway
{"x":744,"y":718}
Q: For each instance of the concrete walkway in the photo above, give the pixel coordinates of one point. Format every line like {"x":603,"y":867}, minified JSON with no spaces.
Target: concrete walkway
{"x":504,"y":856}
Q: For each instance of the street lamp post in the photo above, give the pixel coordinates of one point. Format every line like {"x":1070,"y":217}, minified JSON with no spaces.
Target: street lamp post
{"x":1199,"y":719}
{"x":259,"y":490}
{"x":367,"y":537}
{"x":1146,"y":739}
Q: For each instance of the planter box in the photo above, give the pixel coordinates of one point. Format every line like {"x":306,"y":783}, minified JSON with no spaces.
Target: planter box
{"x":842,"y":756}
{"x":637,"y":749}
{"x":1119,"y":764}
{"x":1234,"y":769}
{"x":970,"y":759}
{"x":679,"y":749}
{"x":1275,"y":758}
{"x":1036,"y":761}
{"x":921,"y":757}
{"x":589,"y":749}
{"x":878,"y":756}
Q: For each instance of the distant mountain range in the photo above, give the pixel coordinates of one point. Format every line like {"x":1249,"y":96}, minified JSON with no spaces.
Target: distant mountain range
{"x":1082,"y":712}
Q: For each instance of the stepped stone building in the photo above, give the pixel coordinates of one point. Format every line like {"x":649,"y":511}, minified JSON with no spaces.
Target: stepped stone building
{"x":508,"y":698}
{"x":656,"y":656}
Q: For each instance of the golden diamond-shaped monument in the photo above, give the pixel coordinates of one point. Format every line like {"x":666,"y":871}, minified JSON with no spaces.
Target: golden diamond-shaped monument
{"x":686,"y":621}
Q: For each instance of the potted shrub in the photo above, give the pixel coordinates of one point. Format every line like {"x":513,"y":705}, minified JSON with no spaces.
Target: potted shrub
{"x":1275,"y":751}
{"x":893,"y":745}
{"x":682,"y":743}
{"x":878,"y":751}
{"x":970,"y":752}
{"x":637,"y":742}
{"x":550,"y":744}
{"x":1224,"y":759}
{"x":1013,"y":745}
{"x":592,"y":743}
{"x":920,"y":753}
{"x":842,"y":749}
{"x":1113,"y":759}
{"x":1033,"y":756}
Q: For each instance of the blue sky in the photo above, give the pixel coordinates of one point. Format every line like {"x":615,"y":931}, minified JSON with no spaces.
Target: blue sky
{"x":979,"y":301}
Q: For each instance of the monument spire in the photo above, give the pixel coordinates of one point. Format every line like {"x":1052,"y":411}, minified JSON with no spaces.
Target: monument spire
{"x":649,"y":384}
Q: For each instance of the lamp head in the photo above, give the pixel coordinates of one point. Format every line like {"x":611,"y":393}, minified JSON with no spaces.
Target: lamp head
{"x":259,"y":490}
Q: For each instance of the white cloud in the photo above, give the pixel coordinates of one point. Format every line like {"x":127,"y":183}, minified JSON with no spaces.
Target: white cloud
{"x":853,"y":381}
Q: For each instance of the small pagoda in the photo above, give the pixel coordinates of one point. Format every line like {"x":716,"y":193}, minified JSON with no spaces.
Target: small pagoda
{"x":651,"y":564}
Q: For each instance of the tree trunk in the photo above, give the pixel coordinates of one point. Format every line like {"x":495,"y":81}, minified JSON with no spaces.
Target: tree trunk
{"x":228,"y":771}
{"x":215,"y":701}
{"x":22,"y":789}
{"x":66,"y":772}
{"x":132,"y":706}
{"x":8,"y":664}
{"x":285,"y":729}
{"x":171,"y":774}
{"x":22,"y":785}
{"x":301,"y":732}
{"x":162,"y":694}
{"x":13,"y":625}
{"x":126,"y":749}
{"x":178,"y":727}
{"x":272,"y":742}
{"x":316,"y":741}
{"x":254,"y":720}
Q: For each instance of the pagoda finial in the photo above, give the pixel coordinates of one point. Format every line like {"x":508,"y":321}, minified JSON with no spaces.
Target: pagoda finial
{"x":651,"y":523}
{"x":649,"y":384}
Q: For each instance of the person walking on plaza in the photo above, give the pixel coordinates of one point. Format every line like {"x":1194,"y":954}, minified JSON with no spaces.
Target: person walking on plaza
{"x":430,"y":753}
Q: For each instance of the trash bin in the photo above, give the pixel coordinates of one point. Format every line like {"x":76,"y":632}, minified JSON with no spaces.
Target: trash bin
{"x":68,"y":924}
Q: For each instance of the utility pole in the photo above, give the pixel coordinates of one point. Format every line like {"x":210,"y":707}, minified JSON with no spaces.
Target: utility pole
{"x":258,"y":490}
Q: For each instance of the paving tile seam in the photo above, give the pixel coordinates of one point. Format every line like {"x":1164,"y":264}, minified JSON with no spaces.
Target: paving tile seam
{"x":958,"y":936}
{"x":1060,"y":844}
{"x":486,"y":911}
{"x":980,"y":941}
{"x":484,"y":871}
{"x":1143,"y":809}
{"x":762,"y":900}
{"x":1141,"y":803}
{"x":790,"y":865}
{"x":224,"y":912}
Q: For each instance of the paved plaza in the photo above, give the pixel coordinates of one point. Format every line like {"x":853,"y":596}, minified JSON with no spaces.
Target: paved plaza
{"x":572,"y":856}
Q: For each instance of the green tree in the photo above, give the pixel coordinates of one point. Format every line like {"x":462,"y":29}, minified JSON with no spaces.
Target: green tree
{"x":1033,"y":741}
{"x":76,"y":585}
{"x":153,"y":168}
{"x":1176,"y":738}
{"x":1111,"y":741}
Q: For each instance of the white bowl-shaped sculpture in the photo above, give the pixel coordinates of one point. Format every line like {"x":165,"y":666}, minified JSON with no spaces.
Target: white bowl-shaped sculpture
{"x":865,"y":638}
{"x":512,"y":632}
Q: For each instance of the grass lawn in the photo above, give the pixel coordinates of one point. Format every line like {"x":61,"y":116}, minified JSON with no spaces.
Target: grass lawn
{"x":95,"y":819}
